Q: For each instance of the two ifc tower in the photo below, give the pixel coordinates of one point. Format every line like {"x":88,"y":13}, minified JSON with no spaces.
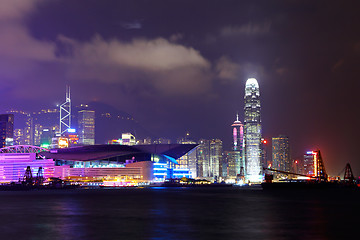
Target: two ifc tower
{"x":247,"y":136}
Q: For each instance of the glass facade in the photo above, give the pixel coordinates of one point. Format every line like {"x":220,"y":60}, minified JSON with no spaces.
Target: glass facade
{"x":252,"y":131}
{"x":6,"y":130}
{"x":281,"y":153}
{"x":86,"y":127}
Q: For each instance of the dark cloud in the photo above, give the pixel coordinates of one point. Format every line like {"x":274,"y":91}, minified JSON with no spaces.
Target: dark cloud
{"x":248,"y":29}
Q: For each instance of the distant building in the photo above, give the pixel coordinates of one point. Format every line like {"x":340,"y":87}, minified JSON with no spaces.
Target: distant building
{"x":298,"y":166}
{"x":215,"y":158}
{"x":265,"y":159}
{"x":162,"y":141}
{"x":252,"y":131}
{"x":188,"y":161}
{"x":238,"y":144}
{"x":6,"y":130}
{"x":145,"y":141}
{"x":128,"y":139}
{"x":281,"y":153}
{"x":24,"y":127}
{"x":19,"y":136}
{"x":202,"y":158}
{"x":47,"y":135}
{"x":86,"y":127}
{"x":230,"y":161}
{"x":310,"y":163}
{"x":37,"y":134}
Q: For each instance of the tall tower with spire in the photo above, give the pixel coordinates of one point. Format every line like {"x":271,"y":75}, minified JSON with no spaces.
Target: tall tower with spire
{"x":252,"y":131}
{"x":238,"y":137}
{"x":238,"y":134}
{"x":65,"y":113}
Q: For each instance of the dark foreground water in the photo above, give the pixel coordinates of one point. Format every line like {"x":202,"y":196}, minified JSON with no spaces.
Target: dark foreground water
{"x":178,"y":213}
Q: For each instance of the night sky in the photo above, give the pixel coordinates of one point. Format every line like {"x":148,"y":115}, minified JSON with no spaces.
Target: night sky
{"x":180,"y":66}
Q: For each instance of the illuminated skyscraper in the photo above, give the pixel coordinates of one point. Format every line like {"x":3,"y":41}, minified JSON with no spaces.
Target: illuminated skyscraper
{"x":215,"y":158}
{"x":6,"y":130}
{"x":252,"y":131}
{"x":309,"y":163}
{"x":65,"y":113}
{"x":208,"y":158}
{"x":238,"y":137}
{"x":281,"y":153}
{"x":188,"y":161}
{"x":202,"y":158}
{"x":86,"y":127}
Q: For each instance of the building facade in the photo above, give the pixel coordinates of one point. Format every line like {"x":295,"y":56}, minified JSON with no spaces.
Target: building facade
{"x":238,"y":144}
{"x":252,"y":131}
{"x":309,"y":163}
{"x":215,"y":158}
{"x":86,"y":127}
{"x":202,"y":158}
{"x":6,"y":130}
{"x":281,"y":153}
{"x":230,"y":159}
{"x":188,"y":161}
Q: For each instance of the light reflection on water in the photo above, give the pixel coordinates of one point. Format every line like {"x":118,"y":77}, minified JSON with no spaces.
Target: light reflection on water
{"x":177,"y":213}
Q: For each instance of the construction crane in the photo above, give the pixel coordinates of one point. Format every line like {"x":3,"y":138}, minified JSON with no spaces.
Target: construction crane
{"x":28,"y":178}
{"x":319,"y":169}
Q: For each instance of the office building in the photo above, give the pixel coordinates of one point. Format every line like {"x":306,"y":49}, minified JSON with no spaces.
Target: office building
{"x":281,"y":153}
{"x":188,"y":161}
{"x":252,"y":131}
{"x":310,"y":163}
{"x":86,"y":127}
{"x":215,"y":158}
{"x":6,"y":130}
{"x":229,"y":169}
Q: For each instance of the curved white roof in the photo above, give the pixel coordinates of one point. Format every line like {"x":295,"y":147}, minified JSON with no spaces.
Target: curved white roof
{"x":252,"y":82}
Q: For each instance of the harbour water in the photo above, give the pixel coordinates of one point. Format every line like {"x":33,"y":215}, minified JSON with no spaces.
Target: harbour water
{"x":179,"y":213}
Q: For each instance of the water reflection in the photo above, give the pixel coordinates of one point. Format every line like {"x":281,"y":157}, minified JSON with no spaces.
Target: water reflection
{"x":176,"y":213}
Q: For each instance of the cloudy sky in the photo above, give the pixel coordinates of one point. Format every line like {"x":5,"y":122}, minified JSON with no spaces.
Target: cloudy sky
{"x":181,"y":66}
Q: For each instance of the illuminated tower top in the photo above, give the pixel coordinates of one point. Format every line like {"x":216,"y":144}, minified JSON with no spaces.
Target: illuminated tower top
{"x":252,"y":86}
{"x":252,"y":101}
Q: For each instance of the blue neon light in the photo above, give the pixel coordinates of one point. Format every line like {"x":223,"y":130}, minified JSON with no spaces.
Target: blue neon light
{"x":71,"y":130}
{"x":160,"y":164}
{"x":171,"y":159}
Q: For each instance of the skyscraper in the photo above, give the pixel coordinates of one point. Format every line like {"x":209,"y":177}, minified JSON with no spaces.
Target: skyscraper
{"x":188,"y":161}
{"x":215,"y":158}
{"x":6,"y":130}
{"x":86,"y":127}
{"x":252,"y":131}
{"x":202,"y":158}
{"x":281,"y":153}
{"x":208,"y":158}
{"x":238,"y":137}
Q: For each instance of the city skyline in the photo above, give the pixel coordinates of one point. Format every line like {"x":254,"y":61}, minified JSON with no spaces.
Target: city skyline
{"x":188,"y":74}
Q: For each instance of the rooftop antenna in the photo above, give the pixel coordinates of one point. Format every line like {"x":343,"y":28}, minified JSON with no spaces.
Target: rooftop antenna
{"x":65,"y":112}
